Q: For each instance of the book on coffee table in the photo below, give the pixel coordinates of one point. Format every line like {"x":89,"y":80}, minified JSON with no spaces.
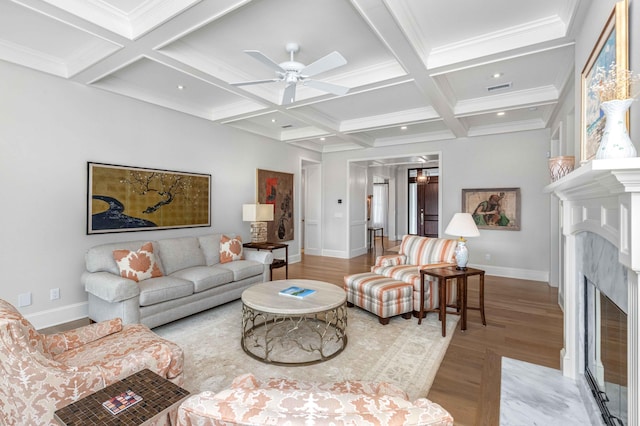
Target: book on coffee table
{"x":298,"y":292}
{"x":121,"y":402}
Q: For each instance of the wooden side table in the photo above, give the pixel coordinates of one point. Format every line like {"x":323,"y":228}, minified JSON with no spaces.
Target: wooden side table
{"x":277,"y":263}
{"x":159,"y":396}
{"x":372,"y":237}
{"x":442,"y":275}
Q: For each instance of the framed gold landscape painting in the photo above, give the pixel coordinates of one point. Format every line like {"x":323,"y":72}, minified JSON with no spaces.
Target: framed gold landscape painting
{"x":123,"y":198}
{"x":611,"y":48}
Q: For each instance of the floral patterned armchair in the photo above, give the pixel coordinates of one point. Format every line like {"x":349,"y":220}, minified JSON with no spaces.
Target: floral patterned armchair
{"x":41,"y":373}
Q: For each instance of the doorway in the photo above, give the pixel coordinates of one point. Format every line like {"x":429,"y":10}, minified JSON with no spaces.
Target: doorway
{"x":423,"y":208}
{"x":311,"y":208}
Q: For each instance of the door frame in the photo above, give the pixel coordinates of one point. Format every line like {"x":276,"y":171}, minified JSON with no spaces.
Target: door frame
{"x":306,"y":189}
{"x":380,"y":160}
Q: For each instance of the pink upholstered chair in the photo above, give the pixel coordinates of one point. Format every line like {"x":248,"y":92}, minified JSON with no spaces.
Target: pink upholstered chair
{"x":41,"y":373}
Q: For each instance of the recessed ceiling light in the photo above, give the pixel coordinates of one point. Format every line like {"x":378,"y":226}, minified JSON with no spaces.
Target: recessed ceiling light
{"x":322,"y":139}
{"x":403,"y":128}
{"x":497,"y":75}
{"x":273,"y":120}
{"x":180,"y":87}
{"x":501,"y":113}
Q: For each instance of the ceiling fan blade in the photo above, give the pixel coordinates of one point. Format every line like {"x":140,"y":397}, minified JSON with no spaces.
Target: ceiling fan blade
{"x":246,"y":83}
{"x":327,"y":87}
{"x":289,"y":95}
{"x":256,"y":54}
{"x":326,"y":63}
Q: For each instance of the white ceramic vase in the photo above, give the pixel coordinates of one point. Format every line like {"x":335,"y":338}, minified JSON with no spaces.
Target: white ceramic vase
{"x":615,"y":142}
{"x":462,"y":254}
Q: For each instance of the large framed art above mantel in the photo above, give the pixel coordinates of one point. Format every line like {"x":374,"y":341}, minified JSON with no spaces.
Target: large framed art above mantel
{"x":277,"y":188}
{"x":124,"y":199}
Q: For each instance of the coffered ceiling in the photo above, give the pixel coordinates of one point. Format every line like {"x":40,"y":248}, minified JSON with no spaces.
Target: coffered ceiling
{"x":417,"y":70}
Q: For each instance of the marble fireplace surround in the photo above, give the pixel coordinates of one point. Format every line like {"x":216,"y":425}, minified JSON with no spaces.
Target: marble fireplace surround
{"x":600,"y":200}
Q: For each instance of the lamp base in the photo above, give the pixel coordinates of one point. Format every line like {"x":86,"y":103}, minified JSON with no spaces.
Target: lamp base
{"x":258,"y":232}
{"x":462,"y":255}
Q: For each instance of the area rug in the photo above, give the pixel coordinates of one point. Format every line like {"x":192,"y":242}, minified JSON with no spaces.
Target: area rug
{"x":401,"y":352}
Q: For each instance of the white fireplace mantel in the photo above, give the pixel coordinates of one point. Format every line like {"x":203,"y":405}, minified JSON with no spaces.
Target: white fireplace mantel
{"x":602,"y":197}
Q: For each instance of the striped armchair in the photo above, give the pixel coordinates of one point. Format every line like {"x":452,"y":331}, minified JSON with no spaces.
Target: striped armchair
{"x":417,"y":253}
{"x":40,"y":373}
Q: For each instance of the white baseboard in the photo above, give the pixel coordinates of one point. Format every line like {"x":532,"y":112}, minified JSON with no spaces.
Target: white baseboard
{"x":57,"y":316}
{"x":522,"y":274}
{"x":341,"y":254}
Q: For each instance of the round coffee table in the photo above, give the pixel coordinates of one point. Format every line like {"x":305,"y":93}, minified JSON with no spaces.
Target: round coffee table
{"x":285,"y":330}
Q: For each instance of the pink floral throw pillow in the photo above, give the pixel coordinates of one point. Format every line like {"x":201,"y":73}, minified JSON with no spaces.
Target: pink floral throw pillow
{"x":137,"y":265}
{"x":230,"y":249}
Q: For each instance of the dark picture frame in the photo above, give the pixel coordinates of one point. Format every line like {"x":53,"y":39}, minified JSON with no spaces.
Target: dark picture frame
{"x":612,"y":47}
{"x":276,"y":188}
{"x":126,"y":198}
{"x":493,"y":208}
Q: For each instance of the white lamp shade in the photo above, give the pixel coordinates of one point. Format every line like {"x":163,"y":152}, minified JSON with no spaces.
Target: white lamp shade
{"x":462,"y":225}
{"x":257,"y":212}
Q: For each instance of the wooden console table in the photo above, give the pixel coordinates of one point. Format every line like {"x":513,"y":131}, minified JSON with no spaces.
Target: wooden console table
{"x":277,"y":263}
{"x":159,"y":396}
{"x":442,"y":275}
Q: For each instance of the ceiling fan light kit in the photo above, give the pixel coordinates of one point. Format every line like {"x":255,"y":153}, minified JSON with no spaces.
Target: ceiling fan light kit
{"x":292,"y":72}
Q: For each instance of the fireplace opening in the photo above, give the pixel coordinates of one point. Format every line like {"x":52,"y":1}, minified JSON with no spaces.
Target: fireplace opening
{"x":606,"y":354}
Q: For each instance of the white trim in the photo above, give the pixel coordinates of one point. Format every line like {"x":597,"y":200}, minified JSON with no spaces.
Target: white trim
{"x":56,"y":316}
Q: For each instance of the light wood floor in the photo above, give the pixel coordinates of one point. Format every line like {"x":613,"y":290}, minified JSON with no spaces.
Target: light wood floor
{"x":523,"y":322}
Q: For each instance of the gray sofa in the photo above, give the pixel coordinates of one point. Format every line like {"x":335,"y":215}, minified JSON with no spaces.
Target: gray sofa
{"x":193,"y":280}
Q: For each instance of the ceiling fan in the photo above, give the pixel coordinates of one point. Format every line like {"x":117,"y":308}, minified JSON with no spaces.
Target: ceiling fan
{"x":292,"y":72}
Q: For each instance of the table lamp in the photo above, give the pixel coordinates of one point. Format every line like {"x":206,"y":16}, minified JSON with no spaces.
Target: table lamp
{"x":462,"y":225}
{"x":257,"y":214}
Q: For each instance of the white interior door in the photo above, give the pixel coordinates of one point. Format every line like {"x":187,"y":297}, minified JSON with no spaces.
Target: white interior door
{"x":313,"y":210}
{"x":357,"y":210}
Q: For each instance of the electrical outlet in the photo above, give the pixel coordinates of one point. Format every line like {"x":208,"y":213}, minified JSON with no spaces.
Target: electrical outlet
{"x":487,"y":256}
{"x":54,"y":294}
{"x":24,"y":299}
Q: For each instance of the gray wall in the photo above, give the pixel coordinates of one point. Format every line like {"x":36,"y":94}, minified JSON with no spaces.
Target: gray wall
{"x":50,"y":128}
{"x":499,"y":161}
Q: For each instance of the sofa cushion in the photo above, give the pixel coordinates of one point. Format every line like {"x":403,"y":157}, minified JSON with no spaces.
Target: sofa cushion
{"x":205,"y":277}
{"x":243,"y":268}
{"x":408,"y":273}
{"x":210,"y":245}
{"x":297,"y":402}
{"x":249,"y":381}
{"x":137,"y":265}
{"x":180,"y":253}
{"x":156,"y":290}
{"x":100,"y":258}
{"x":391,"y":260}
{"x":230,"y":249}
